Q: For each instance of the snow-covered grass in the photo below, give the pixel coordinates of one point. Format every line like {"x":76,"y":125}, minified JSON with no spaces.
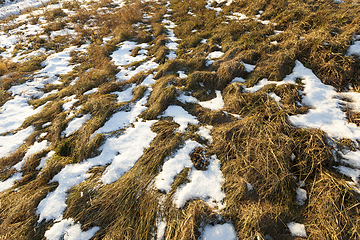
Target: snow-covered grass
{"x":109,"y":108}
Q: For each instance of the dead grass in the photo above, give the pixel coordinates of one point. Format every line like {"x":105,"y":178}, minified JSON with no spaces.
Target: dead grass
{"x":256,"y":149}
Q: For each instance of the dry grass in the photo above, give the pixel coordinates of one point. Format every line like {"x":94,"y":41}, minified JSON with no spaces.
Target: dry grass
{"x":256,"y":149}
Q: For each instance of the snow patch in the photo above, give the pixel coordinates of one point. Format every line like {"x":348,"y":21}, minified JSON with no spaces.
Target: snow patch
{"x":224,"y":231}
{"x":75,"y":125}
{"x":297,"y":229}
{"x":205,"y":185}
{"x":180,"y":116}
{"x":214,"y":104}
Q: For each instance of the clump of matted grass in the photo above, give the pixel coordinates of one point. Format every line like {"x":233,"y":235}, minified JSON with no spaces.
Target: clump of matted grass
{"x":263,"y":149}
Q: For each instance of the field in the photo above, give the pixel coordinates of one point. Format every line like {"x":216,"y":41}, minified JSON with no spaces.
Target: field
{"x":179,"y":119}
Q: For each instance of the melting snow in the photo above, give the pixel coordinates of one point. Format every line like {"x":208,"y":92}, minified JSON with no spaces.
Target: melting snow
{"x":219,"y":231}
{"x":301,"y":196}
{"x":90,"y":91}
{"x":214,"y":55}
{"x":297,"y":229}
{"x":8,"y":183}
{"x":14,"y":112}
{"x":123,"y":152}
{"x":130,"y":148}
{"x":123,"y":118}
{"x":37,"y":147}
{"x":355,"y":48}
{"x":10,"y":143}
{"x":205,"y":185}
{"x":174,"y":165}
{"x":205,"y":131}
{"x":248,"y":67}
{"x":214,"y":104}
{"x":180,"y":116}
{"x":44,"y":159}
{"x":69,"y":231}
{"x":75,"y":124}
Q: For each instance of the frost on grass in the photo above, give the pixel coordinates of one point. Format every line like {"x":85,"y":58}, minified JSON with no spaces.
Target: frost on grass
{"x":224,"y":231}
{"x":174,"y":165}
{"x":10,"y":143}
{"x":297,"y":229}
{"x":205,"y":185}
{"x":75,"y":124}
{"x":66,"y":229}
{"x":180,"y":116}
{"x":122,"y":152}
{"x":214,"y":104}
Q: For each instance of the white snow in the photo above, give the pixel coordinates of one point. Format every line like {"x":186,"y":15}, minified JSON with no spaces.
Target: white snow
{"x":161,"y":227}
{"x":172,"y":44}
{"x":63,"y":32}
{"x":8,"y":183}
{"x":125,"y":95}
{"x":174,"y":165}
{"x":122,"y":55}
{"x":17,"y":6}
{"x":214,"y":104}
{"x":180,"y":116}
{"x":205,"y":185}
{"x":224,"y":231}
{"x":37,"y":147}
{"x":182,"y":74}
{"x":205,"y":132}
{"x":90,"y":91}
{"x":10,"y":143}
{"x":69,"y":231}
{"x":58,"y":63}
{"x":249,"y":187}
{"x":14,"y":112}
{"x":75,"y":124}
{"x":214,"y":55}
{"x":301,"y":196}
{"x":248,"y":67}
{"x":238,"y":79}
{"x":131,"y":144}
{"x":325,"y":112}
{"x":123,"y":118}
{"x":185,"y":98}
{"x":354,"y":49}
{"x":130,"y":149}
{"x":297,"y":229}
{"x":237,"y":16}
{"x":275,"y":97}
{"x":44,"y":159}
{"x":67,"y":106}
